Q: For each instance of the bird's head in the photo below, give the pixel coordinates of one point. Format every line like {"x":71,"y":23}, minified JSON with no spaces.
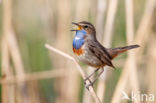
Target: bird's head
{"x":87,"y":27}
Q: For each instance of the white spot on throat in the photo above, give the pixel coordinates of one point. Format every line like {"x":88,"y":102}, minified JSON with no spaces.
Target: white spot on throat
{"x":77,"y":38}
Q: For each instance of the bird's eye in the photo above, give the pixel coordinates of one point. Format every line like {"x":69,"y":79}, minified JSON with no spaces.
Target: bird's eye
{"x":86,"y":26}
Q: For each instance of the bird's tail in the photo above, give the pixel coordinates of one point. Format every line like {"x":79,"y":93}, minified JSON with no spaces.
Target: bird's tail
{"x":124,"y":49}
{"x":116,"y":51}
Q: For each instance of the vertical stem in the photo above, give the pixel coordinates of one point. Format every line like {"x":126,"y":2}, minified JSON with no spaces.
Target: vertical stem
{"x":130,"y":35}
{"x":107,"y":41}
{"x":109,"y":22}
{"x":13,"y":49}
{"x":101,"y":7}
{"x":7,"y":90}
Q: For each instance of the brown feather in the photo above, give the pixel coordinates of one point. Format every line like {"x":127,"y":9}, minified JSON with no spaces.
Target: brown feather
{"x":116,"y":51}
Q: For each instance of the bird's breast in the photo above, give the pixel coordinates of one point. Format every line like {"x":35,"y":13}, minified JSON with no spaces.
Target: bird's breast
{"x":77,"y":45}
{"x":85,"y":56}
{"x":78,"y":52}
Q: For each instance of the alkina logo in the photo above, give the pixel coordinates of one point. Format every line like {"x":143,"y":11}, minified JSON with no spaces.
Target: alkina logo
{"x":138,"y":96}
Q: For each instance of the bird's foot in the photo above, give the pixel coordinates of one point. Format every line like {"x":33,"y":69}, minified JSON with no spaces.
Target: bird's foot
{"x":90,"y":84}
{"x":87,"y":78}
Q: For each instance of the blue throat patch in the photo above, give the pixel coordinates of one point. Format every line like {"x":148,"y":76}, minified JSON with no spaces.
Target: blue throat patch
{"x":79,"y":39}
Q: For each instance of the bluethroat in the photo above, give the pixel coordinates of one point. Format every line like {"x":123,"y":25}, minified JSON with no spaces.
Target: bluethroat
{"x":89,"y":51}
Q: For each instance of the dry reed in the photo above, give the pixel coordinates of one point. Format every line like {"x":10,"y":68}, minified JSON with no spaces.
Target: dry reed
{"x":90,"y":88}
{"x":107,"y":41}
{"x":67,"y":85}
{"x":11,"y":46}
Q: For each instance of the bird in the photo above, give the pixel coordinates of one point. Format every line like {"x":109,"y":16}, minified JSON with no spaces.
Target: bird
{"x":90,"y":51}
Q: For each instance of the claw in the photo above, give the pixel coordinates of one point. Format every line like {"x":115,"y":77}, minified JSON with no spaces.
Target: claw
{"x":86,"y":80}
{"x":91,"y":84}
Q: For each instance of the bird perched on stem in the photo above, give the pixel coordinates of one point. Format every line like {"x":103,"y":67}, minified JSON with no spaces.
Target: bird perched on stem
{"x":89,"y":51}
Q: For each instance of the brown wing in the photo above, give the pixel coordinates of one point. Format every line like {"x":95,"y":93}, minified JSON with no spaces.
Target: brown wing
{"x":100,"y":52}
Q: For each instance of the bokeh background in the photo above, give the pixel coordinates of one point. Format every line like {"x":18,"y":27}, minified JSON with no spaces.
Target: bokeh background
{"x":30,"y":73}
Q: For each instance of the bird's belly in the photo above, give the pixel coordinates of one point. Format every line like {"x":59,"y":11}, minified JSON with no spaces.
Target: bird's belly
{"x":89,"y":59}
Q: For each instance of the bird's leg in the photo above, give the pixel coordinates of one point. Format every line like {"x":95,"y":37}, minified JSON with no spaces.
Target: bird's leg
{"x":88,"y":77}
{"x":92,"y":82}
{"x":98,"y":76}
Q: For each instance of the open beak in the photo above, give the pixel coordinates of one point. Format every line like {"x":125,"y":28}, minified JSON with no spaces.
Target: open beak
{"x":79,"y":27}
{"x":75,"y":23}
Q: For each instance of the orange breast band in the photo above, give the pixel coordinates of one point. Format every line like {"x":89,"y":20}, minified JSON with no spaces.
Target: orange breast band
{"x":78,"y":51}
